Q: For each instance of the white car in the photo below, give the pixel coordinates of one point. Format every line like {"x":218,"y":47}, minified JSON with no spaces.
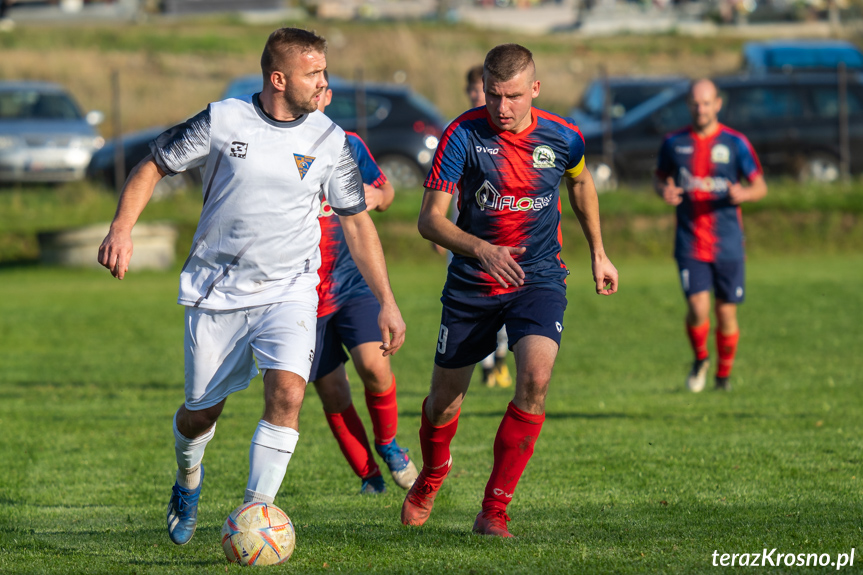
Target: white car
{"x":43,"y":135}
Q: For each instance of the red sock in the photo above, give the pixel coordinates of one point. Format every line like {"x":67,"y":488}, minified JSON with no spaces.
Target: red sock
{"x":727,"y":346}
{"x":384,"y":411}
{"x":513,"y":447}
{"x":698,"y":339}
{"x":435,"y":442}
{"x":351,"y":435}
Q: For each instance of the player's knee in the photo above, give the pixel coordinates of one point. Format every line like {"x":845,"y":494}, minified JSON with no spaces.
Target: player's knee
{"x":335,"y":398}
{"x":193,"y":423}
{"x":376,"y":376}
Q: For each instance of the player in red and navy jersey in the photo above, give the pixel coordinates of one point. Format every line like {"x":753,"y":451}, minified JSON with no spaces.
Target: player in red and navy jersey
{"x":347,"y":317}
{"x":700,"y":171}
{"x":506,"y":160}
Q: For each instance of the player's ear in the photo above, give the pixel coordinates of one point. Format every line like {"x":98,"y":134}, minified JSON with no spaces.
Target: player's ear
{"x":278,"y":80}
{"x":534,"y":91}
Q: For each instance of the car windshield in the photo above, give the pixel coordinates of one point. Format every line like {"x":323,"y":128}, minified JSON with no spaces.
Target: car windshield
{"x":35,"y":105}
{"x":623,"y":98}
{"x":809,"y":58}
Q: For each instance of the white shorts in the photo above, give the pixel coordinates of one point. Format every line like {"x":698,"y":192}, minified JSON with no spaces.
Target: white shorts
{"x":221,"y":347}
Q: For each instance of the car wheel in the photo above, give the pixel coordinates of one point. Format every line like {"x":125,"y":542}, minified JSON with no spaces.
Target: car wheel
{"x":604,"y":176}
{"x":819,"y":168}
{"x":401,"y":171}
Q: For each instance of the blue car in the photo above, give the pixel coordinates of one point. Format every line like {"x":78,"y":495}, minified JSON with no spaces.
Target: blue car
{"x":44,"y":137}
{"x":800,"y":56}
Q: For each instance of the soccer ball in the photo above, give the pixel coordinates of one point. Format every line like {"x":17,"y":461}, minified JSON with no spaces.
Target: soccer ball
{"x":258,"y":534}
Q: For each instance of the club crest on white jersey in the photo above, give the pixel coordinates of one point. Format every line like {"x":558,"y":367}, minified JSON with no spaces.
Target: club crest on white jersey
{"x":303,"y":164}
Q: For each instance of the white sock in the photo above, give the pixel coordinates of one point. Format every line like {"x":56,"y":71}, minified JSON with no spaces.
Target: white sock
{"x":269,"y":455}
{"x":190,"y":453}
{"x":488,"y":362}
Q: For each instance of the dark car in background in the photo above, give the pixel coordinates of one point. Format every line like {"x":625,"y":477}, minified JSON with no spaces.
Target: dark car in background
{"x":136,"y":146}
{"x":44,"y":137}
{"x":402,"y":129}
{"x":792,"y":121}
{"x":800,"y":56}
{"x":624,"y":94}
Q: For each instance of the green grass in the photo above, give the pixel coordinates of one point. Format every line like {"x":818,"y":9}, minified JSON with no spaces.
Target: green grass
{"x":631,"y":474}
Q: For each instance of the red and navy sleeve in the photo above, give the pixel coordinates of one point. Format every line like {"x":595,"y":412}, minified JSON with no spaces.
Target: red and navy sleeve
{"x":369,"y":169}
{"x":748,"y":164}
{"x":449,"y":159}
{"x":575,"y":164}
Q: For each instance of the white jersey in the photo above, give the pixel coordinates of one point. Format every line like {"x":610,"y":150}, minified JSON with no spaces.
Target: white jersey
{"x":258,"y":236}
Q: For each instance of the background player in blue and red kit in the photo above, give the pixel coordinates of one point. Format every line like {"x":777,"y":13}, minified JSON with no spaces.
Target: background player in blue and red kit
{"x":700,"y":170}
{"x":347,"y":315}
{"x":507,"y":160}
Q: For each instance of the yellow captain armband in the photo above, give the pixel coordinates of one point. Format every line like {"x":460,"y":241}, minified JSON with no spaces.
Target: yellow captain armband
{"x":574,"y":172}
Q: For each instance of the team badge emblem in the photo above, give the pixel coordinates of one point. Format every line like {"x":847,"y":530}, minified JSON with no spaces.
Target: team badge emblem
{"x":720,"y":154}
{"x":303,"y":164}
{"x":543,"y":157}
{"x":239,"y":149}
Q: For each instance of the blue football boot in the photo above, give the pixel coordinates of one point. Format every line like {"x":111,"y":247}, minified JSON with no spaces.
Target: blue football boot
{"x":183,"y":511}
{"x":401,"y":467}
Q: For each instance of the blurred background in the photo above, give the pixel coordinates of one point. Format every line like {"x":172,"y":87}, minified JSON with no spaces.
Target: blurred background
{"x":86,"y":84}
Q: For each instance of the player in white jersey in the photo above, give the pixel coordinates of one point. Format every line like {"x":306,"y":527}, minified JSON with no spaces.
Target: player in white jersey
{"x":249,"y":281}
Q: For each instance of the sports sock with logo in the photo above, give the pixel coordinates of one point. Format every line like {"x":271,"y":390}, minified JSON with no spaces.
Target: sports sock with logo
{"x":384,"y":412}
{"x":350,"y":434}
{"x":513,"y":447}
{"x":269,"y":455}
{"x":726,"y":344}
{"x":698,"y":339}
{"x":190,"y":453}
{"x":435,"y":442}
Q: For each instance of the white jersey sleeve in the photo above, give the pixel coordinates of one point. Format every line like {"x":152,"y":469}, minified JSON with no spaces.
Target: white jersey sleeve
{"x":344,"y":189}
{"x":184,"y":146}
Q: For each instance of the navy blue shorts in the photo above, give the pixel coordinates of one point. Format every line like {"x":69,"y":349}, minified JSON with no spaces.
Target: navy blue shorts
{"x":353,"y":324}
{"x":469,"y":325}
{"x":725,"y":278}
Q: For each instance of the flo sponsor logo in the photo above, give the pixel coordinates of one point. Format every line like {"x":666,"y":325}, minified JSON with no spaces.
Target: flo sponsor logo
{"x":712,"y":184}
{"x":488,"y":198}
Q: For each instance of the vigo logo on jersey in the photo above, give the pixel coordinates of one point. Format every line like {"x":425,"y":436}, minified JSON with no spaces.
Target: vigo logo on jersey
{"x":326,"y":210}
{"x":488,"y":197}
{"x":484,"y":150}
{"x":714,"y":185}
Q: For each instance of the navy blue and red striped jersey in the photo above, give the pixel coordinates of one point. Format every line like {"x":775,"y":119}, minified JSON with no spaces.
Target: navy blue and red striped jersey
{"x":509,"y":193}
{"x":709,"y":226}
{"x":340,"y":278}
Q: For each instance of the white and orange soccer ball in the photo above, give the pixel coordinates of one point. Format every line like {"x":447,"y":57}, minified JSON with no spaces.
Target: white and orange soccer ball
{"x":258,"y":534}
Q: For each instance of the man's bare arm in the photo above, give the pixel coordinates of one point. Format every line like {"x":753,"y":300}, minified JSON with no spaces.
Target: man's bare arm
{"x":116,"y":249}
{"x":365,"y":247}
{"x":755,"y":191}
{"x":379,"y":198}
{"x":585,"y":204}
{"x":434,"y":225}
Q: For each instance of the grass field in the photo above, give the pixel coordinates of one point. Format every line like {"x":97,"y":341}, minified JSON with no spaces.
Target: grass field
{"x":631,"y":474}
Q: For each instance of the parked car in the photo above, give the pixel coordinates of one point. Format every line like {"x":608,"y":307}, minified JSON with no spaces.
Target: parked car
{"x":136,"y":146}
{"x":800,"y":56}
{"x":791,"y":120}
{"x":625,"y":94}
{"x":44,"y":137}
{"x":402,"y":127}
